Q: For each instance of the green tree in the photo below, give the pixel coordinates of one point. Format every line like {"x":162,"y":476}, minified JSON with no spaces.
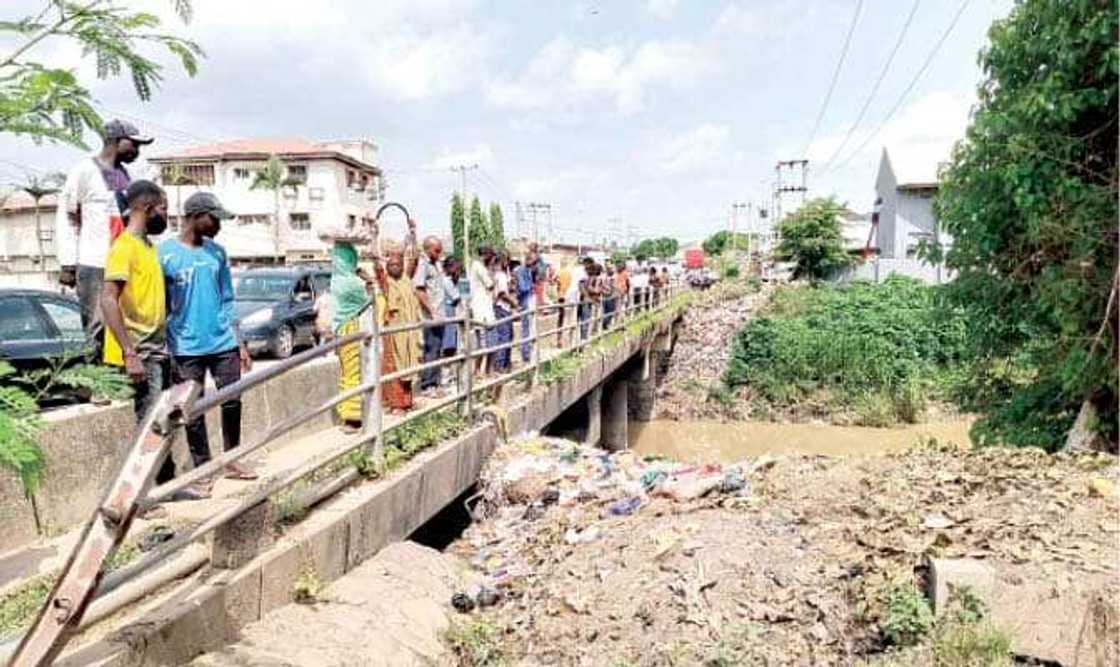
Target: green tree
{"x":812,"y":239}
{"x":644,"y":250}
{"x":666,"y":247}
{"x":51,"y":103}
{"x":273,"y":177}
{"x":479,"y":230}
{"x":717,"y":243}
{"x":497,"y":226}
{"x":1030,"y":199}
{"x":38,"y":187}
{"x":457,"y":220}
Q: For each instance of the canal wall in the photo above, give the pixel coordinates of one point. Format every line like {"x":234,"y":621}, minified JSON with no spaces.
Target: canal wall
{"x":207,"y":610}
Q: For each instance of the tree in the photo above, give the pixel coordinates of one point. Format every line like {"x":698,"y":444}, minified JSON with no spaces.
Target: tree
{"x":479,"y":231}
{"x":38,"y":187}
{"x":645,"y":249}
{"x":50,"y":103}
{"x":717,"y":243}
{"x":497,"y":227}
{"x":457,"y":220}
{"x":812,"y":239}
{"x":1030,"y":199}
{"x":666,"y":247}
{"x":273,"y":177}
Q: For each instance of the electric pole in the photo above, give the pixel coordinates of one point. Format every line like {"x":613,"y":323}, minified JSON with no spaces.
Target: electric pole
{"x":463,"y":169}
{"x":534,"y":208}
{"x":735,"y":208}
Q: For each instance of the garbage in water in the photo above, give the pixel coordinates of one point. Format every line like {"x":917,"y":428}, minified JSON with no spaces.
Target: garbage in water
{"x":155,"y":537}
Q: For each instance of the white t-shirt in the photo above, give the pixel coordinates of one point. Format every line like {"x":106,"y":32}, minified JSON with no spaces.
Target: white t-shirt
{"x":482,"y":301}
{"x":639,"y":279}
{"x":89,"y":245}
{"x":578,"y":276}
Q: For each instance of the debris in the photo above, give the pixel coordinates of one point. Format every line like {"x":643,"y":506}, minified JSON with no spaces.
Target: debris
{"x":1101,"y":487}
{"x":155,"y":537}
{"x":574,"y":536}
{"x":462,"y":603}
{"x":937,"y":522}
{"x":625,"y":506}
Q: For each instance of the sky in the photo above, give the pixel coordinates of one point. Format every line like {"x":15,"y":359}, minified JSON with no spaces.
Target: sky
{"x":629,"y":117}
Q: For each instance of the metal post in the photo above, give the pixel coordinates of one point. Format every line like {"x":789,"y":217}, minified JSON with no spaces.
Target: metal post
{"x":468,"y":368}
{"x":535,"y":352}
{"x":372,"y":412}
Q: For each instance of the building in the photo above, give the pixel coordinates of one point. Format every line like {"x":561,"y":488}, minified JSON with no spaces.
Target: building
{"x":856,"y":230}
{"x":27,"y":256}
{"x":906,"y":190}
{"x":326,"y":184}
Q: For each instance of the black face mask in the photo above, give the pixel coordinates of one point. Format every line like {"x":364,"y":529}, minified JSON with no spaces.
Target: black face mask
{"x":128,"y":156}
{"x":156,"y":224}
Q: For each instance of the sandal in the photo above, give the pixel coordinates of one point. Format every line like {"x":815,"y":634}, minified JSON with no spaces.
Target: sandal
{"x":239,"y":471}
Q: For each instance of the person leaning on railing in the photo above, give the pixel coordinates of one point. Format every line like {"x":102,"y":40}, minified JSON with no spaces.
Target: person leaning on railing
{"x":350,"y":296}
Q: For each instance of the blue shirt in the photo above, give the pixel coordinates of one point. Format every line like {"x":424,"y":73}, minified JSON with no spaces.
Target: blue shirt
{"x":200,"y":314}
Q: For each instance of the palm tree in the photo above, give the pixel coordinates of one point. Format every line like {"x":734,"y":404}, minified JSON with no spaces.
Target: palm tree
{"x":273,"y":177}
{"x":38,"y":187}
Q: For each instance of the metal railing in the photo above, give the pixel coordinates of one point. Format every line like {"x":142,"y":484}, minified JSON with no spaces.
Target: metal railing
{"x":83,"y":579}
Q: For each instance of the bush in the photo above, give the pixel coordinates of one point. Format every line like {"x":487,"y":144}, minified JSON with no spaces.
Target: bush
{"x":908,"y":617}
{"x":729,"y":271}
{"x":876,"y":348}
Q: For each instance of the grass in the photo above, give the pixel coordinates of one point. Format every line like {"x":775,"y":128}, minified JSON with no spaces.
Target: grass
{"x":19,"y":606}
{"x":307,"y":587}
{"x":475,"y":642}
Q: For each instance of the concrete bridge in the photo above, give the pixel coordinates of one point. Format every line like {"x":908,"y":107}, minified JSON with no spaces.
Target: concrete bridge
{"x":197,"y":598}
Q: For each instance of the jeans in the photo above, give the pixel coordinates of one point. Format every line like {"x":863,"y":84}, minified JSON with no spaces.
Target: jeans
{"x":225,"y":368}
{"x":525,"y":302}
{"x":584,"y":315}
{"x":91,"y":281}
{"x":503,"y":333}
{"x":433,"y":347}
{"x":608,"y":312}
{"x":144,"y":397}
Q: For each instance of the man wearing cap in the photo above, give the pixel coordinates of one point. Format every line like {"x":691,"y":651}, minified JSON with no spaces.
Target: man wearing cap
{"x":89,"y":218}
{"x":202,"y":331}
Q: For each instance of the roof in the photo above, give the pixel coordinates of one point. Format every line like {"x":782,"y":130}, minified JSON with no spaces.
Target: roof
{"x":260,"y":149}
{"x":19,"y":201}
{"x":916,"y":170}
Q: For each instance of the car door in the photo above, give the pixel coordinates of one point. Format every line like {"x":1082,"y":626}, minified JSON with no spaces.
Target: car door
{"x":66,"y":317}
{"x":303,"y":310}
{"x":27,"y":339}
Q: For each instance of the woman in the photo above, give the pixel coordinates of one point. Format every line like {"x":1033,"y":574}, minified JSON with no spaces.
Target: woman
{"x":349,"y":298}
{"x":504,"y":306}
{"x":401,"y":350}
{"x":482,"y":301}
{"x":452,"y":272}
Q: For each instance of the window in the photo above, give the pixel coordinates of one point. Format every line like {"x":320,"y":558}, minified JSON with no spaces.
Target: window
{"x":297,"y":173}
{"x":300,"y":222}
{"x":353,"y":220}
{"x":173,"y":222}
{"x":46,"y":233}
{"x":187,"y":174}
{"x":315,"y":194}
{"x":351,"y":178}
{"x":254,"y":219}
{"x":365,"y":181}
{"x":67,"y":318}
{"x":241,"y":174}
{"x":321,"y":282}
{"x":19,"y":320}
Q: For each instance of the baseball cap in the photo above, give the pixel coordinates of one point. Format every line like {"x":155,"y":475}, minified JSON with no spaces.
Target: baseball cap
{"x":121,"y":129}
{"x":205,"y":202}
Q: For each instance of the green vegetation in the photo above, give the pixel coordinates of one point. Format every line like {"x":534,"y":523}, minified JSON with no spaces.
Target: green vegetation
{"x":962,"y":636}
{"x":908,"y":617}
{"x":479,"y":228}
{"x":659,"y":248}
{"x":20,"y":396}
{"x":811,"y":238}
{"x":307,"y":587}
{"x":1030,"y":198}
{"x":19,"y":606}
{"x":44,"y":102}
{"x":877,"y":350}
{"x":475,"y":643}
{"x":458,"y":218}
{"x":496,"y":231}
{"x":715,"y":244}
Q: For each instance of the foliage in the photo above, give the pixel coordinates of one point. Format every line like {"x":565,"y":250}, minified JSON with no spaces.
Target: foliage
{"x":19,"y":605}
{"x":496,"y":230}
{"x":729,"y":271}
{"x":811,"y":238}
{"x":307,"y":587}
{"x":475,"y":643}
{"x":619,"y":256}
{"x":458,"y":218}
{"x":715,"y":244}
{"x":1030,"y":199}
{"x":51,"y":103}
{"x":479,"y":230}
{"x":272,"y":177}
{"x":872,"y":347}
{"x":660,"y":248}
{"x":908,"y":617}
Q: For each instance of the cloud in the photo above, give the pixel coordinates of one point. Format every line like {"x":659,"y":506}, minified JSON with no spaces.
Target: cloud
{"x":481,"y":155}
{"x":705,"y":147}
{"x":662,"y":9}
{"x":569,"y":77}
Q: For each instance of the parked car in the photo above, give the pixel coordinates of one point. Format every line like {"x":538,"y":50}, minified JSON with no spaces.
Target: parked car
{"x":276,"y":306}
{"x":38,"y":325}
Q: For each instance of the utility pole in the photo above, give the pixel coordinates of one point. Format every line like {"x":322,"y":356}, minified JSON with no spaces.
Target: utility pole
{"x":534,"y":208}
{"x":463,"y":169}
{"x":735,"y":208}
{"x":784,"y":186}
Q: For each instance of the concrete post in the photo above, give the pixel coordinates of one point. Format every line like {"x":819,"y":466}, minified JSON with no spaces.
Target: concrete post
{"x":617,"y":418}
{"x":594,"y":416}
{"x":240,"y":540}
{"x":641,"y":388}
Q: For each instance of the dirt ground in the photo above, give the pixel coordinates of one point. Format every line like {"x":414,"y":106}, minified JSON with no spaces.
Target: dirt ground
{"x":787,"y":571}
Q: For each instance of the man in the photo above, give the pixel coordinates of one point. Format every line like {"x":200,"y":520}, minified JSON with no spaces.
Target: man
{"x":639,"y":285}
{"x":202,"y":330}
{"x":429,"y":283}
{"x":504,"y":307}
{"x":133,"y":300}
{"x":573,"y":296}
{"x":588,"y":297}
{"x":481,"y":309}
{"x":89,"y":216}
{"x":610,"y":300}
{"x":526,"y":279}
{"x":622,"y":286}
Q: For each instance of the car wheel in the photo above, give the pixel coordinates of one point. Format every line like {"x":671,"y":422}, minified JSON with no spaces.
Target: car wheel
{"x":283,"y":343}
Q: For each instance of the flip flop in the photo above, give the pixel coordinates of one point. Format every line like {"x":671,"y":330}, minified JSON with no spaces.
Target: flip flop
{"x":240,"y":473}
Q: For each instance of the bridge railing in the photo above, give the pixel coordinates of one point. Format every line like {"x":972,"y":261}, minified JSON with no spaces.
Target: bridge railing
{"x":84,"y":579}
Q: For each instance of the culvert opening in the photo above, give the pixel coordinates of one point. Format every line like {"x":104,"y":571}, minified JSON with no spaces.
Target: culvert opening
{"x":447,"y":525}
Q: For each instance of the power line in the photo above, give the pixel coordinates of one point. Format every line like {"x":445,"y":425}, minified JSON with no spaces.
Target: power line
{"x":910,"y":87}
{"x":875,"y":88}
{"x":835,"y":76}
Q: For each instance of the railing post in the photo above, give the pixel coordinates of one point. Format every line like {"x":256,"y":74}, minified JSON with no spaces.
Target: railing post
{"x":535,"y":351}
{"x":467,"y":369}
{"x":371,"y":373}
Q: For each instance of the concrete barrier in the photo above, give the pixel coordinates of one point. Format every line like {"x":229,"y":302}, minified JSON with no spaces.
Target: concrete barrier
{"x":84,"y":445}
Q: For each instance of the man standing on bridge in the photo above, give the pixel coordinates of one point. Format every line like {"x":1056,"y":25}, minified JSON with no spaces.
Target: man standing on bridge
{"x":202,"y":330}
{"x":429,"y":283}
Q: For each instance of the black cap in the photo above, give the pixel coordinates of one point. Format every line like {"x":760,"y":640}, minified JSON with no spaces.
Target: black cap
{"x":206,"y":202}
{"x":121,"y":129}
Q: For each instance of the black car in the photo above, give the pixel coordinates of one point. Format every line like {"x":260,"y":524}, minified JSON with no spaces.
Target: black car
{"x":37,"y":326}
{"x":276,"y":306}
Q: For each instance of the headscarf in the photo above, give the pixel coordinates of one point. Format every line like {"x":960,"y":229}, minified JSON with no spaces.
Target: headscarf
{"x":347,"y":290}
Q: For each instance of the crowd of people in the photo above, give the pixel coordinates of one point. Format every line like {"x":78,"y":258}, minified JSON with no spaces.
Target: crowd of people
{"x":165,"y":313}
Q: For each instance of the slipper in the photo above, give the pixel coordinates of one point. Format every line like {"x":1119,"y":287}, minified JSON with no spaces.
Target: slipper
{"x":240,"y":472}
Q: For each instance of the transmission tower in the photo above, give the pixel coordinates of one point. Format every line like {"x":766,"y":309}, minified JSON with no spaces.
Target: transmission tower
{"x":789,"y":180}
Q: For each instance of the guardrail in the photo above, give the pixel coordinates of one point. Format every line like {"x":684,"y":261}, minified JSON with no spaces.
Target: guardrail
{"x":83,"y":579}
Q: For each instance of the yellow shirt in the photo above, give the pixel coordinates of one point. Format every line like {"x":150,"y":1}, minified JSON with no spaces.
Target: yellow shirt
{"x":565,"y":280}
{"x":143,"y":303}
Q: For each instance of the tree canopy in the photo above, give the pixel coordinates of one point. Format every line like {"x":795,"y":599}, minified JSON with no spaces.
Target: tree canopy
{"x":660,"y":248}
{"x":458,"y":217}
{"x":811,"y":237}
{"x":1030,"y":199}
{"x":716,"y":243}
{"x":51,"y":103}
{"x":496,"y":229}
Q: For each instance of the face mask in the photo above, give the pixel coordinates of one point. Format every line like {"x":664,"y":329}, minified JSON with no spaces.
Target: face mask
{"x":128,"y":156}
{"x":156,"y":224}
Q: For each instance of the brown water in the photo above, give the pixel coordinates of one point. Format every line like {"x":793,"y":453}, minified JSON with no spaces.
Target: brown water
{"x":715,"y":441}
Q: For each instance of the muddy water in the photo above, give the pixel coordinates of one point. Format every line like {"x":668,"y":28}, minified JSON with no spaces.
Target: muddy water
{"x":715,"y":441}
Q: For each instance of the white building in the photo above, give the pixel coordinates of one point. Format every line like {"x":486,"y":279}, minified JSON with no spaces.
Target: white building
{"x":27,"y":257}
{"x":328,"y":184}
{"x":906,"y":189}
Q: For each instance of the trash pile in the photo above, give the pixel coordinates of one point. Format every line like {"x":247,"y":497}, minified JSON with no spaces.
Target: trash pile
{"x":591,"y":486}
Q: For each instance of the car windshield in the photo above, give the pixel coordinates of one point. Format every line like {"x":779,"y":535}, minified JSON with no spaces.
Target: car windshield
{"x":263,"y":287}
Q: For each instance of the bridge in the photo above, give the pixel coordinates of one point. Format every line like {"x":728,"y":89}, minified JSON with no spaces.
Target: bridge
{"x":327,"y":501}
